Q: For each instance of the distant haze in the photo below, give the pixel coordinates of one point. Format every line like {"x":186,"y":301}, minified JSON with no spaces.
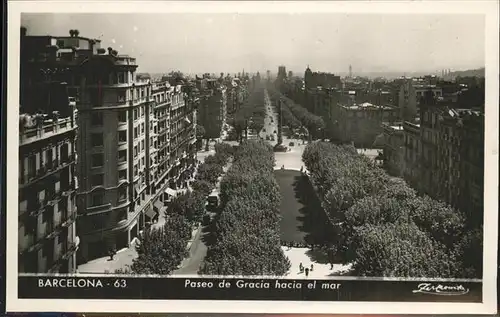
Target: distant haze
{"x":214,"y":43}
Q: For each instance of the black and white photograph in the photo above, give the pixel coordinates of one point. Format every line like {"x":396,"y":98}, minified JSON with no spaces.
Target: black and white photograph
{"x":313,"y":156}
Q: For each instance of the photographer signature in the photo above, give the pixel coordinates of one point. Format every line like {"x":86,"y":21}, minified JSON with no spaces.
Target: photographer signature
{"x":439,"y":289}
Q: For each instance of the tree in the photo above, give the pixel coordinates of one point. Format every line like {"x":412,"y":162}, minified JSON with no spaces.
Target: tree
{"x":202,"y":186}
{"x":401,"y":250}
{"x":224,"y":149}
{"x":190,"y":205}
{"x":200,"y":132}
{"x":470,"y":249}
{"x":443,"y":223}
{"x":393,"y":204}
{"x":247,"y":229}
{"x":161,"y":250}
{"x":209,"y":172}
{"x":366,"y":206}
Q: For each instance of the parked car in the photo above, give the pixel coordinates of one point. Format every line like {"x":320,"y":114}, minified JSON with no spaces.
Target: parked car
{"x":291,"y":144}
{"x":280,"y":148}
{"x":213,"y":201}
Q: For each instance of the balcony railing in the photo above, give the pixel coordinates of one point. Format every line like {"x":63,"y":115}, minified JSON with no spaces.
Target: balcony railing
{"x":47,"y":129}
{"x":46,"y":170}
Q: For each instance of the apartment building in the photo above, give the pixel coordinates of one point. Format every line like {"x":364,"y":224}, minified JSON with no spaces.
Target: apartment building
{"x":212,"y":112}
{"x":360,"y":124}
{"x":47,"y":153}
{"x":174,"y":138}
{"x":114,"y":145}
{"x":444,"y":155}
{"x":47,"y":184}
{"x":453,"y":155}
{"x":393,"y":148}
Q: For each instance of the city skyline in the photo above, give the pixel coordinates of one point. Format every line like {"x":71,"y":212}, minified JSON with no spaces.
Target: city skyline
{"x":411,"y":43}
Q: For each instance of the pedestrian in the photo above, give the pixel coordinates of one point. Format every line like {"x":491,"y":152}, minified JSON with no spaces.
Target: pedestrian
{"x":312,"y":267}
{"x":331,"y":266}
{"x":307,"y":272}
{"x":301,"y":267}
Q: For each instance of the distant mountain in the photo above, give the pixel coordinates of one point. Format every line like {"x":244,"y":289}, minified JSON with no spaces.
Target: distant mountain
{"x":468,"y":73}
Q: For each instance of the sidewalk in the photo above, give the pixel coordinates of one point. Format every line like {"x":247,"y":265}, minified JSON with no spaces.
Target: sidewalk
{"x":299,"y":255}
{"x":122,"y":259}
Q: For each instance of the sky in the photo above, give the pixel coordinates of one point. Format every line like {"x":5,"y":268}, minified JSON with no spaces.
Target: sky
{"x":330,"y":42}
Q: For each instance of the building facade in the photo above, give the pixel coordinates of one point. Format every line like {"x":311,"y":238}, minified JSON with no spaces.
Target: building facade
{"x":444,"y":155}
{"x":47,"y":152}
{"x":453,"y":156}
{"x":393,"y":149}
{"x":325,"y":80}
{"x":407,"y":101}
{"x":47,"y":184}
{"x":361,"y":124}
{"x":114,"y":144}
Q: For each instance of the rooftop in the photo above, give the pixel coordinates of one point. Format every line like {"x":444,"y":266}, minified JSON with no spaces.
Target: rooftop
{"x":367,"y":106}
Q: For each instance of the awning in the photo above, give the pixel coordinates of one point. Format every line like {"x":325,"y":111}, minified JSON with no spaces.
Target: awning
{"x":149,"y":212}
{"x":170,"y":191}
{"x":158,"y":204}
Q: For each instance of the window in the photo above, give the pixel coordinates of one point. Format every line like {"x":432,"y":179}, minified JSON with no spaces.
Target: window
{"x":142,"y":145}
{"x":48,"y":214}
{"x":96,"y":119}
{"x":122,"y":174}
{"x":135,"y":151}
{"x":97,"y":160}
{"x":122,"y":96}
{"x":122,"y":136}
{"x":121,"y":78}
{"x":142,"y":128}
{"x":142,"y":161}
{"x":122,"y":156}
{"x":31,"y":165}
{"x":135,"y":114}
{"x":97,"y":180}
{"x":122,"y":116}
{"x":136,"y":132}
{"x":122,"y":193}
{"x":97,"y":139}
{"x":136,"y":170}
{"x":98,"y":199}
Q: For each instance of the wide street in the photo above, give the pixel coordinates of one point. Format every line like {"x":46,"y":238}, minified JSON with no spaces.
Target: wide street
{"x":303,"y":219}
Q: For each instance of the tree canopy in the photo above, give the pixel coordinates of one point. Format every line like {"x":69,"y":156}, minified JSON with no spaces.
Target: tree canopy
{"x":247,"y":229}
{"x":161,"y":250}
{"x":385,"y":227}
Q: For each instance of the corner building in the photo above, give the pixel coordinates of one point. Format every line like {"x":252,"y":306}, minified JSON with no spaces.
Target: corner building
{"x":114,"y":142}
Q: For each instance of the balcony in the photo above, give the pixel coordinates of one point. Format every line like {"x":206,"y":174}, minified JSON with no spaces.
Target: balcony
{"x":65,"y":254}
{"x":47,"y":129}
{"x":46,"y":170}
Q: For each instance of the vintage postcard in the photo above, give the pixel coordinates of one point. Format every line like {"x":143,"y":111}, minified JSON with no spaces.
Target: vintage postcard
{"x":252,"y":157}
